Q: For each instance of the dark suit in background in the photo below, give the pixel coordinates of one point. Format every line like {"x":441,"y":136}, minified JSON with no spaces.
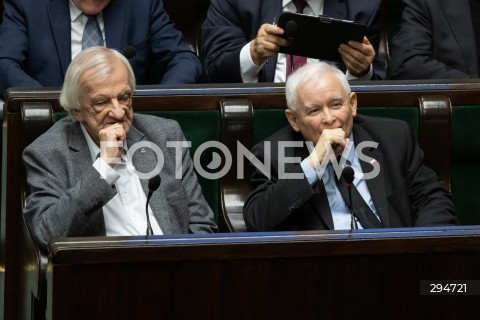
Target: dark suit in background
{"x":35,"y":42}
{"x":436,"y":40}
{"x":230,"y":24}
{"x":405,"y":193}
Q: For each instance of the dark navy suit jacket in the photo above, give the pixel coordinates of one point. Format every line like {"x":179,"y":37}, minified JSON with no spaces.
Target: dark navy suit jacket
{"x":35,"y":42}
{"x":406,"y":193}
{"x":436,"y":40}
{"x":230,"y":24}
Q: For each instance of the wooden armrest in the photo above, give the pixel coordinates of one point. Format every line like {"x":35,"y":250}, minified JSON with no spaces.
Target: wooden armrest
{"x":237,"y":126}
{"x":36,"y":119}
{"x":435,"y":134}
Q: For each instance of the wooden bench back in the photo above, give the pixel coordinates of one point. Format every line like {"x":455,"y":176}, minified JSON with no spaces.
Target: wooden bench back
{"x":436,"y":112}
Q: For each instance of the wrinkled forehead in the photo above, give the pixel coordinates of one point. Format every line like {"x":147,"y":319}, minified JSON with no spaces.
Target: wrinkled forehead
{"x":110,"y":76}
{"x":324,"y":89}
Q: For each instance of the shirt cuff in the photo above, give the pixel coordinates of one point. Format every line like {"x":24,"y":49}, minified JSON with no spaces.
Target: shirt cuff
{"x":107,"y":172}
{"x":367,"y":76}
{"x":309,"y":172}
{"x":248,"y":69}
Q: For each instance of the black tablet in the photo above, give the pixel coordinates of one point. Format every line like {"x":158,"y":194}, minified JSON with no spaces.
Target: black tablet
{"x":318,"y":36}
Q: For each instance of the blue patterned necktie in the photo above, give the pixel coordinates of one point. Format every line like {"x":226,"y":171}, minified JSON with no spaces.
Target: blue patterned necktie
{"x":92,"y":35}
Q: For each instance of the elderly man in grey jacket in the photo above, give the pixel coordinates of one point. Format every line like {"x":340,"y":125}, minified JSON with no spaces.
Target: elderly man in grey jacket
{"x":88,"y":174}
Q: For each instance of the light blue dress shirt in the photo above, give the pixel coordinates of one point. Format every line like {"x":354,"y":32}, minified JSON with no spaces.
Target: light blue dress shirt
{"x":340,"y":213}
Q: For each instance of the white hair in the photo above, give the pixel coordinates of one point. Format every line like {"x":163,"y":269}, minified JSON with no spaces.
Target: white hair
{"x":98,"y":59}
{"x":310,"y":73}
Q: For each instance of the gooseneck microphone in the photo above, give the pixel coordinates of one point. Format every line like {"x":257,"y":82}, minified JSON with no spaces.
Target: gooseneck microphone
{"x":131,"y":50}
{"x":291,"y":29}
{"x":153,"y":185}
{"x":348,"y":175}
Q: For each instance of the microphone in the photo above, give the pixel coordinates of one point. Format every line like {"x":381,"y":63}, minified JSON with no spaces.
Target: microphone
{"x":348,"y":175}
{"x":129,"y":52}
{"x":291,"y":29}
{"x":153,"y":185}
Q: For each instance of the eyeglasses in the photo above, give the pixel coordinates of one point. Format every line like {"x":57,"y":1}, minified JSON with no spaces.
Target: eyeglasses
{"x":101,"y":103}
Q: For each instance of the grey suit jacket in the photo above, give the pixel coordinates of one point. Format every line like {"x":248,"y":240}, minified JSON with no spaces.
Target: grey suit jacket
{"x":67,"y":194}
{"x":436,"y":40}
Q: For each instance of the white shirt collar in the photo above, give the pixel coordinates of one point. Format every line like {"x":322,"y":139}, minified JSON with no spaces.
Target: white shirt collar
{"x":75,"y":13}
{"x":316,"y":5}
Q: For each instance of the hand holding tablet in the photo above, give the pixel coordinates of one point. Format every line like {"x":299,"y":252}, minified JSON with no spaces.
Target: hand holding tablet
{"x":318,"y":37}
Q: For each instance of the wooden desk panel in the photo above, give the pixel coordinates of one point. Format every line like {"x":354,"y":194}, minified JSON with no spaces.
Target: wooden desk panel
{"x":23,"y":266}
{"x":308,"y":275}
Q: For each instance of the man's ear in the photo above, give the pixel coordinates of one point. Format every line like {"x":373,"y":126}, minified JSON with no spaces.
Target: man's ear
{"x":77,"y":115}
{"x":353,"y":103}
{"x":292,"y":119}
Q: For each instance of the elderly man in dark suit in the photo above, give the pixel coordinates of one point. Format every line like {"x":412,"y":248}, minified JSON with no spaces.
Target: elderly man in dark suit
{"x":240,"y":41}
{"x":301,"y":189}
{"x":84,"y":175}
{"x":39,"y":38}
{"x":438,"y":39}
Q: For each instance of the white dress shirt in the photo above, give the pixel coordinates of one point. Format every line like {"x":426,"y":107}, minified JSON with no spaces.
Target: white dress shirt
{"x":78,"y":21}
{"x":125,"y":213}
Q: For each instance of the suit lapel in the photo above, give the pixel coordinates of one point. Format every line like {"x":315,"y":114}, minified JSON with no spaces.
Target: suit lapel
{"x":81,"y":160}
{"x":270,"y":10}
{"x":458,"y":18}
{"x":322,"y":207}
{"x":59,"y":16}
{"x":319,"y":201}
{"x":376,"y":186}
{"x":336,"y":9}
{"x":269,"y":69}
{"x":141,"y":156}
{"x":78,"y":143}
{"x":113,"y":18}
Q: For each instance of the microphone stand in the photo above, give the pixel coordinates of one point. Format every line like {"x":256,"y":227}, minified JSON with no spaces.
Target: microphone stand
{"x":149,"y":226}
{"x":348,"y":176}
{"x":353,"y":223}
{"x":153,"y":185}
